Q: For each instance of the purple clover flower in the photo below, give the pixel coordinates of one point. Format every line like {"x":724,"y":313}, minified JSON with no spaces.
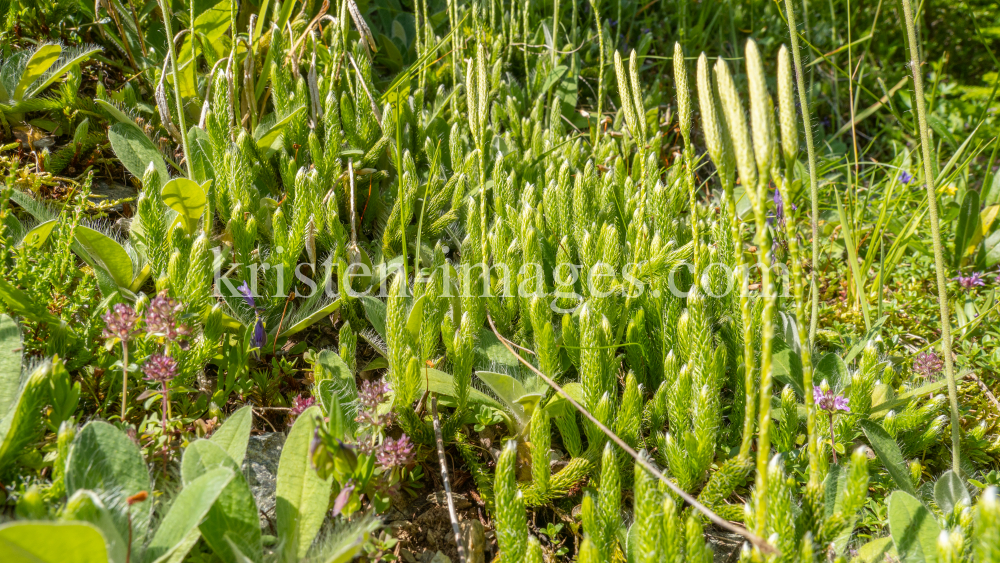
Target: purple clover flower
{"x":829,"y":402}
{"x":395,"y":453}
{"x":120,"y":322}
{"x":975,"y":279}
{"x":928,"y":364}
{"x":160,"y":369}
{"x":161,"y":318}
{"x":905,"y":177}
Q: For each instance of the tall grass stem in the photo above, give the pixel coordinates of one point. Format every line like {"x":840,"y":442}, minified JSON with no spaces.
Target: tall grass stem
{"x":165,"y":8}
{"x":811,"y":163}
{"x":925,"y":145}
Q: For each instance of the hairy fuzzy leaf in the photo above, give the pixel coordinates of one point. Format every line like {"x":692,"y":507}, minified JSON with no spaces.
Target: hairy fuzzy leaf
{"x":31,"y":542}
{"x":233,"y":519}
{"x":105,"y":460}
{"x":914,"y":530}
{"x":186,"y":513}
{"x":10,"y":363}
{"x":889,"y":454}
{"x":234,"y":434}
{"x":302,"y":497}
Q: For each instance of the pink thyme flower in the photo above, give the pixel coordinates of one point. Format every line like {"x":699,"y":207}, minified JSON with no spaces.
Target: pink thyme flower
{"x":299,"y":405}
{"x":928,"y":364}
{"x":975,"y":279}
{"x":371,"y":395}
{"x":160,"y":368}
{"x":828,"y":401}
{"x":395,"y":453}
{"x":120,"y":322}
{"x":161,"y":318}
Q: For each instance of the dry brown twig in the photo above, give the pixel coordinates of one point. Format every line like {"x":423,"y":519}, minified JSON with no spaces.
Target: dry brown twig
{"x":719,"y":521}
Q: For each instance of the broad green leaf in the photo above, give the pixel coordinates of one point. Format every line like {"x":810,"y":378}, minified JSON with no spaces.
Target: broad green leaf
{"x":213,"y":23}
{"x":52,"y":542}
{"x":949,"y":492}
{"x":416,"y":318}
{"x":120,"y":116}
{"x":348,"y":540}
{"x":508,"y":389}
{"x":22,"y":423}
{"x":200,"y":149}
{"x":554,"y":76}
{"x":833,"y":369}
{"x":185,"y":197}
{"x":136,"y":151}
{"x":10,"y":362}
{"x":889,"y":454}
{"x":233,"y":518}
{"x":108,"y":253}
{"x":332,"y":366}
{"x":443,"y":384}
{"x":302,"y":497}
{"x":187,"y":511}
{"x":86,"y":506}
{"x":178,"y":553}
{"x":992,"y":246}
{"x":333,"y":377}
{"x":37,"y":236}
{"x":269,"y":138}
{"x":315,"y":317}
{"x":836,"y":489}
{"x":968,"y":223}
{"x":375,"y":311}
{"x":490,"y":351}
{"x":987,"y":217}
{"x":234,"y":434}
{"x":559,"y":406}
{"x":993,"y":196}
{"x":40,"y":62}
{"x":787,"y":366}
{"x":105,"y":460}
{"x":875,"y":551}
{"x":914,"y":530}
{"x":62,"y":69}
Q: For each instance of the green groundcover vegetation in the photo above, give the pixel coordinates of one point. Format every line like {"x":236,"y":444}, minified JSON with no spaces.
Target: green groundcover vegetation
{"x":475,"y":280}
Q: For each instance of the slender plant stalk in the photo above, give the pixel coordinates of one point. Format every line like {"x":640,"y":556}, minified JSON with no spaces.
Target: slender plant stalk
{"x":811,"y":162}
{"x":798,"y":290}
{"x":684,"y":120}
{"x":766,"y":338}
{"x":807,"y":371}
{"x":443,"y":461}
{"x":742,"y":274}
{"x":124,"y":378}
{"x":925,"y":145}
{"x":165,"y":8}
{"x":600,"y":70}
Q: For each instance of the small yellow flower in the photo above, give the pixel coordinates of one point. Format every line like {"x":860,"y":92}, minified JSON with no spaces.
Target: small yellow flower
{"x":948,"y":189}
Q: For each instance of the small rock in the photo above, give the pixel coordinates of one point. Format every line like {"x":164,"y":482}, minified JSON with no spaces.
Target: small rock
{"x":474,"y":538}
{"x":440,"y":558}
{"x":439,"y":498}
{"x":725,"y":544}
{"x":261,"y":469}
